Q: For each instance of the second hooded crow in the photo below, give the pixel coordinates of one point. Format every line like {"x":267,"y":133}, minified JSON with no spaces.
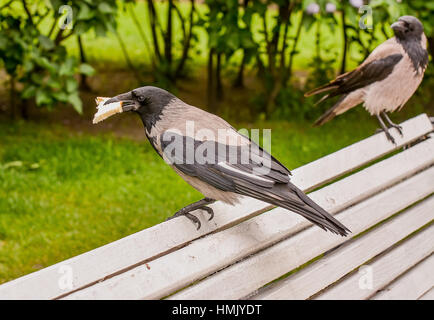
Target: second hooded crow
{"x":210,"y":155}
{"x":385,"y":80}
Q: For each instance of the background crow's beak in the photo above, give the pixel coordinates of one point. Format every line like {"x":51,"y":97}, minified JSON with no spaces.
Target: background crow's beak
{"x":398,"y":26}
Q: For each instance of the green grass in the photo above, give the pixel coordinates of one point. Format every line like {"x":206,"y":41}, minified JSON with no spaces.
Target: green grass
{"x":63,"y":193}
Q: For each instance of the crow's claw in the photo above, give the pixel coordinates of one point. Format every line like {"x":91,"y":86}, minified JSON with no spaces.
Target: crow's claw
{"x":210,"y":212}
{"x":201,"y":204}
{"x":399,"y":128}
{"x":193,"y":219}
{"x":389,"y":137}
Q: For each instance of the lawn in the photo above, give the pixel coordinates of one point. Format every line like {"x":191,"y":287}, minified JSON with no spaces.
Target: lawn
{"x":63,"y":193}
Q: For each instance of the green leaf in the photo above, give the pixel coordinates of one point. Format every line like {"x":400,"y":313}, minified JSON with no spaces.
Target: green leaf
{"x":36,"y":78}
{"x":42,"y":97}
{"x":75,"y":100}
{"x":45,"y":63}
{"x":28,"y":65}
{"x":53,"y":82}
{"x":100,"y":30}
{"x":28,"y":92}
{"x":67,"y":68}
{"x":60,"y":96}
{"x":105,"y":7}
{"x":81,"y":27}
{"x":3,"y":42}
{"x":233,"y":41}
{"x":71,"y":85}
{"x":86,"y":69}
{"x":85,"y":13}
{"x":46,"y":42}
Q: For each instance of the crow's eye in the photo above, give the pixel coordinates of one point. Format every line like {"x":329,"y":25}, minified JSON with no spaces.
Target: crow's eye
{"x":141,"y":98}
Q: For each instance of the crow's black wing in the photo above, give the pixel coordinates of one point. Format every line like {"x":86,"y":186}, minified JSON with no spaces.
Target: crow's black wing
{"x":363,"y":76}
{"x":247,"y":170}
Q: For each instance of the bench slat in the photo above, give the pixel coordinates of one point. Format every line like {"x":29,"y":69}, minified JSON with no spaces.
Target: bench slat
{"x":171,"y":272}
{"x":412,"y":284}
{"x":429,"y":295}
{"x":386,"y":268}
{"x":243,"y":278}
{"x":125,"y":253}
{"x":332,"y":198}
{"x":346,"y":192}
{"x":325,"y":169}
{"x":337,"y":264}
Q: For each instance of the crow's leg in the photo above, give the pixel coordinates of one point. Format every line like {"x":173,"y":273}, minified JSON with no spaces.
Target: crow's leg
{"x":201,"y":204}
{"x":391,"y":124}
{"x":386,"y":131}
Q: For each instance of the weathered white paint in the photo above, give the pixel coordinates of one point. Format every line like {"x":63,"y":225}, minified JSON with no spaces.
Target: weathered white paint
{"x":180,"y":268}
{"x":412,"y":284}
{"x":356,"y":155}
{"x":429,"y":295}
{"x":347,"y":258}
{"x":386,"y":269}
{"x":242,"y":279}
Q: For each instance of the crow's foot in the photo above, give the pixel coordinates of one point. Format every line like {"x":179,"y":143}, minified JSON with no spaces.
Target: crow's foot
{"x":201,"y":204}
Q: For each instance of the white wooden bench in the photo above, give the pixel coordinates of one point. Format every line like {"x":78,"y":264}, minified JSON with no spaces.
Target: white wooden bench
{"x":255,"y":251}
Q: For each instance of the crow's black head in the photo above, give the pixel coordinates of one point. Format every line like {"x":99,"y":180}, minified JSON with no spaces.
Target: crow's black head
{"x":144,"y":100}
{"x":408,"y":28}
{"x":148,"y":102}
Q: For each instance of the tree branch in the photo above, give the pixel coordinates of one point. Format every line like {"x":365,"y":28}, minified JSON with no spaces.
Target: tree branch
{"x":153,"y":23}
{"x":142,"y":33}
{"x":187,"y":39}
{"x":294,"y":48}
{"x":6,"y":4}
{"x":26,"y":9}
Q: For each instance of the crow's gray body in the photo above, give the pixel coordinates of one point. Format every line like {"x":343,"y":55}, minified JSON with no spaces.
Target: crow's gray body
{"x":174,"y":118}
{"x":386,"y":80}
{"x":170,"y":125}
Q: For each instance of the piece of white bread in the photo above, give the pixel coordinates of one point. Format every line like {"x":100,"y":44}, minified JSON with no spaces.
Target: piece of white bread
{"x":100,"y":100}
{"x":105,"y":111}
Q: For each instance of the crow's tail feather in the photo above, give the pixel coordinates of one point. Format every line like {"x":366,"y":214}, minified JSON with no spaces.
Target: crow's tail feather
{"x":330,"y":113}
{"x":290,"y":197}
{"x":314,"y":213}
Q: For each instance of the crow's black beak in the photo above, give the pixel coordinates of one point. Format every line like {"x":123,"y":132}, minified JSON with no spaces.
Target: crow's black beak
{"x":398,"y":27}
{"x":121,"y":103}
{"x":126,"y":100}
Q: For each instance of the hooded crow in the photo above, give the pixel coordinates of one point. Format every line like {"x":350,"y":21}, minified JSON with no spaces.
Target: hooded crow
{"x":210,"y":155}
{"x":385,"y":80}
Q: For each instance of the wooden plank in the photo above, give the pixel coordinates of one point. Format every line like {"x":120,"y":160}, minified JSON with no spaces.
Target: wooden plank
{"x":125,"y":253}
{"x":243,"y":278}
{"x":172,"y":272}
{"x":337,"y":264}
{"x":346,"y":192}
{"x":386,"y":268}
{"x":412,"y":284}
{"x":429,"y":295}
{"x":354,"y":156}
